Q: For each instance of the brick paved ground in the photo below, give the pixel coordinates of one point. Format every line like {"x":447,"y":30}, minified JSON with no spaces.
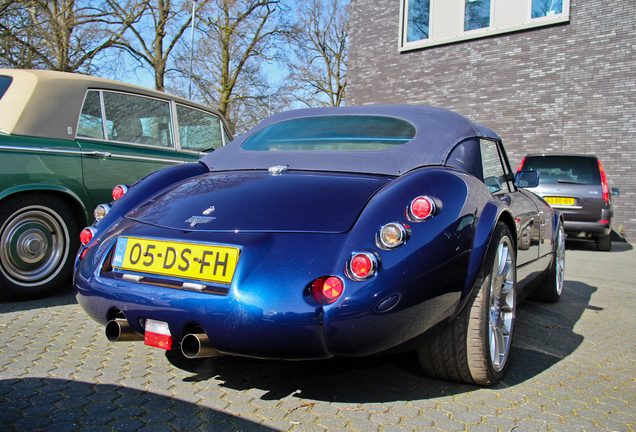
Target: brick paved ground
{"x":573,"y":369}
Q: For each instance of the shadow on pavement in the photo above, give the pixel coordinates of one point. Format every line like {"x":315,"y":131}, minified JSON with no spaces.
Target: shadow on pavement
{"x":544,"y":336}
{"x":59,"y":404}
{"x":64,"y":296}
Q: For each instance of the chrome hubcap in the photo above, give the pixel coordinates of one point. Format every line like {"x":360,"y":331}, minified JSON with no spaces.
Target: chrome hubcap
{"x":33,"y":245}
{"x":502,"y":304}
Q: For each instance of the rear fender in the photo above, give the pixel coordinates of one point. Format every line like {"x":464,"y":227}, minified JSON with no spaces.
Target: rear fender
{"x":147,"y":187}
{"x":490,"y":215}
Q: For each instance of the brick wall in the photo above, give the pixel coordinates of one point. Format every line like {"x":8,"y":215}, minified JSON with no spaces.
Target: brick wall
{"x":568,"y":88}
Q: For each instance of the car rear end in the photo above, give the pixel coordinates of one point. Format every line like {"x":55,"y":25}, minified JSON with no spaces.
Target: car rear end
{"x":578,"y":187}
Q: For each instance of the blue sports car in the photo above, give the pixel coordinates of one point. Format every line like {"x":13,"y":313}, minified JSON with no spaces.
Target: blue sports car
{"x":330,"y":232}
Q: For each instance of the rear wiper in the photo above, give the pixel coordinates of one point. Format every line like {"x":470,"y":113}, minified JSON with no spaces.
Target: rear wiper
{"x":570,"y":182}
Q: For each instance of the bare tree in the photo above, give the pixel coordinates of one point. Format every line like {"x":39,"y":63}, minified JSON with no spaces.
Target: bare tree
{"x":318,"y":64}
{"x":240,"y":37}
{"x":64,"y":35}
{"x":151,"y":42}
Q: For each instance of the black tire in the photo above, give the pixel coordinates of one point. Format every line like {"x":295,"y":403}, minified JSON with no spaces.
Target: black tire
{"x":604,"y":243}
{"x":38,"y":242}
{"x":473,"y":348}
{"x":551,"y":287}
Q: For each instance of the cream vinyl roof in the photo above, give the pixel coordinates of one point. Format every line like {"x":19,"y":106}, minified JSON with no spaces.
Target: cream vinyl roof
{"x":46,"y":103}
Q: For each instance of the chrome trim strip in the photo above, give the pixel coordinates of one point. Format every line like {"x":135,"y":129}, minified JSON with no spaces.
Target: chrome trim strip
{"x":130,"y":157}
{"x":40,"y":150}
{"x":88,"y":154}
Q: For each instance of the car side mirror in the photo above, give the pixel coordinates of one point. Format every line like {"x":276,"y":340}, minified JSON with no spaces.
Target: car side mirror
{"x":615,"y":191}
{"x":527,"y":179}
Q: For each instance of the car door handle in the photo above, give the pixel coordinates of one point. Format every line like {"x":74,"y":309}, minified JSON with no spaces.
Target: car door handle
{"x":99,"y":154}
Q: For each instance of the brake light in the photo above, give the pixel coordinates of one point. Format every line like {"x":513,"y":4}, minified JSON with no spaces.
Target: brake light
{"x":119,"y":191}
{"x":361,"y":266}
{"x":521,"y":164}
{"x":604,"y":184}
{"x":421,"y":209}
{"x":87,"y":235}
{"x":327,"y":290}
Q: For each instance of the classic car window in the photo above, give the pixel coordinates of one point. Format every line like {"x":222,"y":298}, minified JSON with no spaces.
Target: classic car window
{"x":493,"y":169}
{"x":5,"y":82}
{"x":198,"y":130}
{"x":90,"y":123}
{"x":332,"y":133}
{"x":138,"y":119}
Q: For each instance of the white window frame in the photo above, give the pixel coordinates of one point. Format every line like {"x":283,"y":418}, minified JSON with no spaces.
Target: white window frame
{"x":446,"y":23}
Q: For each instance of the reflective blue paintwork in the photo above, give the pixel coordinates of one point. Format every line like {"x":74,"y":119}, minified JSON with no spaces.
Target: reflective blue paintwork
{"x":294,"y":227}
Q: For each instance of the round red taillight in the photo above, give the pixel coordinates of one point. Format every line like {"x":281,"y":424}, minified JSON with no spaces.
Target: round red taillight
{"x":327,"y":290}
{"x":119,"y":191}
{"x":87,"y":235}
{"x":361,"y":266}
{"x":421,"y":208}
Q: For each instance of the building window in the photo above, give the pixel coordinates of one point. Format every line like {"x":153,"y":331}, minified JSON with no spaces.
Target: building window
{"x":542,"y":8}
{"x":477,"y":14}
{"x":418,"y":19}
{"x":426,"y":23}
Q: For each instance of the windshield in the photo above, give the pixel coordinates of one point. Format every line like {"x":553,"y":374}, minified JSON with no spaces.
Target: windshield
{"x":332,"y":133}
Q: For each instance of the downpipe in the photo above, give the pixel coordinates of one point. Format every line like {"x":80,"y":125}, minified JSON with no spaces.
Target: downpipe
{"x":118,"y":330}
{"x":198,"y":345}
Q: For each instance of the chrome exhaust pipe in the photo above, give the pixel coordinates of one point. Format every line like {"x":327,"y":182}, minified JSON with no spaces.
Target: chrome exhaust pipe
{"x":198,"y":345}
{"x":118,"y":330}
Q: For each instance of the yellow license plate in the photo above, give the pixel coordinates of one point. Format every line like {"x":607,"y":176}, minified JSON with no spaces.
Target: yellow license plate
{"x":181,"y":260}
{"x":560,"y":201}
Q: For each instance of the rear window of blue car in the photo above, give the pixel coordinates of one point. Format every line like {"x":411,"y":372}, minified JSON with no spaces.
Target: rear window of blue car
{"x":332,"y":133}
{"x":5,"y":82}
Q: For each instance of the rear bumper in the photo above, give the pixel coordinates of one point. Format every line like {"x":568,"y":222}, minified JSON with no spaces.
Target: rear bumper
{"x":233,"y":327}
{"x":583,"y":229}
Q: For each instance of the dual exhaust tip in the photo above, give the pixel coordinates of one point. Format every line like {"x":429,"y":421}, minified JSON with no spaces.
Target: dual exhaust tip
{"x":193,"y":345}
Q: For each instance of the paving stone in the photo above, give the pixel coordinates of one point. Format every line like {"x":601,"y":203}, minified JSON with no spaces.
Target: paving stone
{"x":573,"y":371}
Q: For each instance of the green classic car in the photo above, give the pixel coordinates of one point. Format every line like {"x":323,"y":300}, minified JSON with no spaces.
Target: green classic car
{"x":65,"y":141}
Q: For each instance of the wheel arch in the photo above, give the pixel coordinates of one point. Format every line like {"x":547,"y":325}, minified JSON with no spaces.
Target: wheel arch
{"x":490,"y":216}
{"x":78,"y":206}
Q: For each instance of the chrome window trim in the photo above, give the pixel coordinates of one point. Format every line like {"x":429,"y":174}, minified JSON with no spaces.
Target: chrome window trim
{"x":105,"y":125}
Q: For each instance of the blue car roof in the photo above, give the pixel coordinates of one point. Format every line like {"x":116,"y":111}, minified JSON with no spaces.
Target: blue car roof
{"x":437,"y":133}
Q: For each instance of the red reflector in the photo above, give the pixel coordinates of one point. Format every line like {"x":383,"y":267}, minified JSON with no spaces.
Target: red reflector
{"x":332,"y":288}
{"x":158,"y":340}
{"x":327,"y":290}
{"x":86,"y":235}
{"x":603,"y":221}
{"x":119,"y":191}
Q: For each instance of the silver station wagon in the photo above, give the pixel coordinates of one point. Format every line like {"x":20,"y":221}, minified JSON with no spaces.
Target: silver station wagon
{"x":65,"y":141}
